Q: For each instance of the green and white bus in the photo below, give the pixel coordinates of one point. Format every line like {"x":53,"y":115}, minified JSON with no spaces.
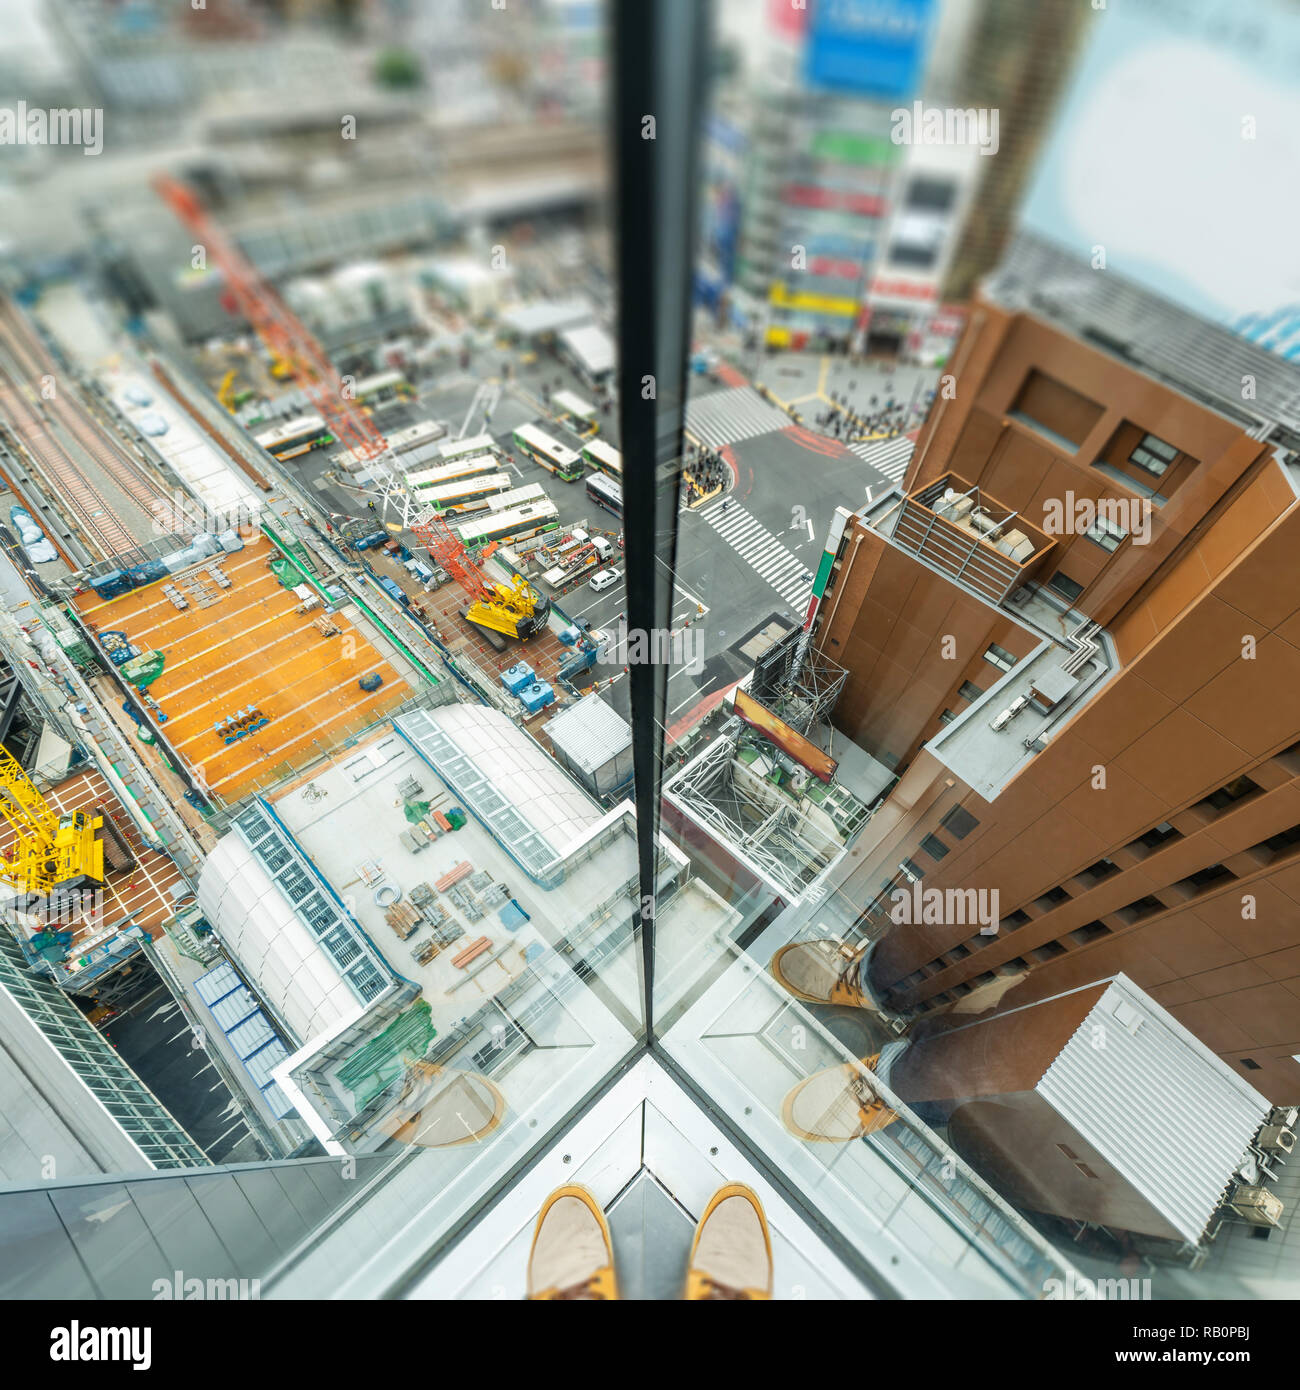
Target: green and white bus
{"x":464,"y":448}
{"x":550,"y":453}
{"x":468,"y":495}
{"x":605,"y":458}
{"x":516,"y":524}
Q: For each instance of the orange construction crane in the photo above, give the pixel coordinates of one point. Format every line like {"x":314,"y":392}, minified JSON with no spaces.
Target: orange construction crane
{"x":514,"y":608}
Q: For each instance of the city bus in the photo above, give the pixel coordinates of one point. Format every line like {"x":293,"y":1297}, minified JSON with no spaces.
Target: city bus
{"x":462,"y":448}
{"x":552,"y":455}
{"x":517,"y":524}
{"x":399,"y":442}
{"x":295,"y":437}
{"x":605,"y":492}
{"x":383,"y":388}
{"x":574,"y":411}
{"x":516,"y":497}
{"x":468,"y":495}
{"x":604,"y":457}
{"x":419,"y":479}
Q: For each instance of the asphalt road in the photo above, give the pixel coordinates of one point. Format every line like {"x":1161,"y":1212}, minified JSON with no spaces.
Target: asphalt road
{"x":788,"y":483}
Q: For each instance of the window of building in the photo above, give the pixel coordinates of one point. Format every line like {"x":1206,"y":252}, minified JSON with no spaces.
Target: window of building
{"x":1049,"y":950}
{"x":1015,"y":919}
{"x":1250,"y":1064}
{"x":1000,"y":657}
{"x":1141,"y":907}
{"x":1204,"y":878}
{"x":970,"y":691}
{"x":1056,"y":411}
{"x":932,"y":195}
{"x":1090,"y":931}
{"x":934,"y":847}
{"x":946,"y":716}
{"x":1155,"y":837}
{"x":1065,"y":586}
{"x":1110,"y":535}
{"x":1152,"y":455}
{"x":1102,"y":869}
{"x":911,"y":870}
{"x":1230,"y":793}
{"x":1283,"y":841}
{"x":959,"y":823}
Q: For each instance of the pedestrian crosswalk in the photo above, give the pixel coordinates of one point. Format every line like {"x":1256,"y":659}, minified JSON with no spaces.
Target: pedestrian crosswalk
{"x":887,"y":456}
{"x":725,"y":417}
{"x":761,"y":550}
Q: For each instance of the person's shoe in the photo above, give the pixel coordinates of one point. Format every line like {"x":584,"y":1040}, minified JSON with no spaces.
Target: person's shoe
{"x":572,"y":1257}
{"x":441,"y":1107}
{"x":731,"y":1256}
{"x":822,"y":971}
{"x":836,"y":1104}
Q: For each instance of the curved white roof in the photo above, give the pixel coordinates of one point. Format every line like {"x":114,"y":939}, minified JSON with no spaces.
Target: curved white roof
{"x":277,"y":954}
{"x":475,"y":747}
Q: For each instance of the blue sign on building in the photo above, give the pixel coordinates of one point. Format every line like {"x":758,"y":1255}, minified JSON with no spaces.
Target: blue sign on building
{"x":869,"y":47}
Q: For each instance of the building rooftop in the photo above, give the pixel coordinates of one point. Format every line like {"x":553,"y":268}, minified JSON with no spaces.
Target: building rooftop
{"x":589,"y":733}
{"x":249,"y":647}
{"x":1198,"y":358}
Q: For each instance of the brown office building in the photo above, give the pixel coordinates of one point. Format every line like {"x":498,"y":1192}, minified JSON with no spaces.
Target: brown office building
{"x":1094,"y":711}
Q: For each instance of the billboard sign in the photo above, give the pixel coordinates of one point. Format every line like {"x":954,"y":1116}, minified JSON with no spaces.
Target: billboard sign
{"x":788,"y":740}
{"x":868,"y":47}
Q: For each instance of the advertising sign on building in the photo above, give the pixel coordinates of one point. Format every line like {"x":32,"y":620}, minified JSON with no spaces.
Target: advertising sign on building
{"x":869,"y":47}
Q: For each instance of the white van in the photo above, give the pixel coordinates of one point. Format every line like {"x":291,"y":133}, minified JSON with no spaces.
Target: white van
{"x":602,"y":547}
{"x":605,"y":579}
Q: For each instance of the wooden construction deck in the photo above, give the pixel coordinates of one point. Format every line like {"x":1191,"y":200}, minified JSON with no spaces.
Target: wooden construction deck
{"x":250,"y":649}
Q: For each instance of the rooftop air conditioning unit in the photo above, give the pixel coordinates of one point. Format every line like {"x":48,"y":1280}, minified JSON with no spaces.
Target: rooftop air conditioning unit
{"x":1277,"y":1139}
{"x":1002,"y":720}
{"x":1017,"y":705}
{"x":1037,"y":743}
{"x":1287,"y":1115}
{"x":1257,"y":1205}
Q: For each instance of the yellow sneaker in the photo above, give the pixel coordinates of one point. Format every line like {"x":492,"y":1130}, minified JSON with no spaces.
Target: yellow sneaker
{"x":836,"y":1104}
{"x":822,"y":971}
{"x":731,"y":1256}
{"x":571,"y":1257}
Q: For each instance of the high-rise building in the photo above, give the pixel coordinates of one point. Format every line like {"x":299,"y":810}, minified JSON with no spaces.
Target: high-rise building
{"x":1075,"y":635}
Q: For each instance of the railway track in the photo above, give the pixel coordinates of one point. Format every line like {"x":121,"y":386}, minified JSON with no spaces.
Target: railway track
{"x":104,"y":528}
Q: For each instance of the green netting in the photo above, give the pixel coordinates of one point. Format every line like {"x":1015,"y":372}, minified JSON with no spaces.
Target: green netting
{"x":384,"y":1059}
{"x":415,"y":811}
{"x":143,"y":670}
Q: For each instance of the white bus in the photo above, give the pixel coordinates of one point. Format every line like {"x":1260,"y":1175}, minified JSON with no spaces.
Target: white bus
{"x":604,"y":457}
{"x":516,"y":497}
{"x":550,"y":453}
{"x":382,"y":388}
{"x":463,"y":448}
{"x":399,"y":442}
{"x":295,"y":437}
{"x":574,"y":407}
{"x":418,"y":479}
{"x":468,"y":495}
{"x":516,"y":524}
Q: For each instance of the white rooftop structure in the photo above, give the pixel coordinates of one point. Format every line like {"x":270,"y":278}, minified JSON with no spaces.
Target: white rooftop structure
{"x":546,"y":316}
{"x":591,"y":347}
{"x":259,"y":927}
{"x":1156,"y":1103}
{"x":506,"y":779}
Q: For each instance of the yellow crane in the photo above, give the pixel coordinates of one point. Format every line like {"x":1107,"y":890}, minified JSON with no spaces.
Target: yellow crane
{"x":50,"y":850}
{"x":226,"y":391}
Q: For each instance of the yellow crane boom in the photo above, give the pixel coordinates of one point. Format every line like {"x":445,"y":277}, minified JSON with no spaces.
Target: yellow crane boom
{"x":50,"y":850}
